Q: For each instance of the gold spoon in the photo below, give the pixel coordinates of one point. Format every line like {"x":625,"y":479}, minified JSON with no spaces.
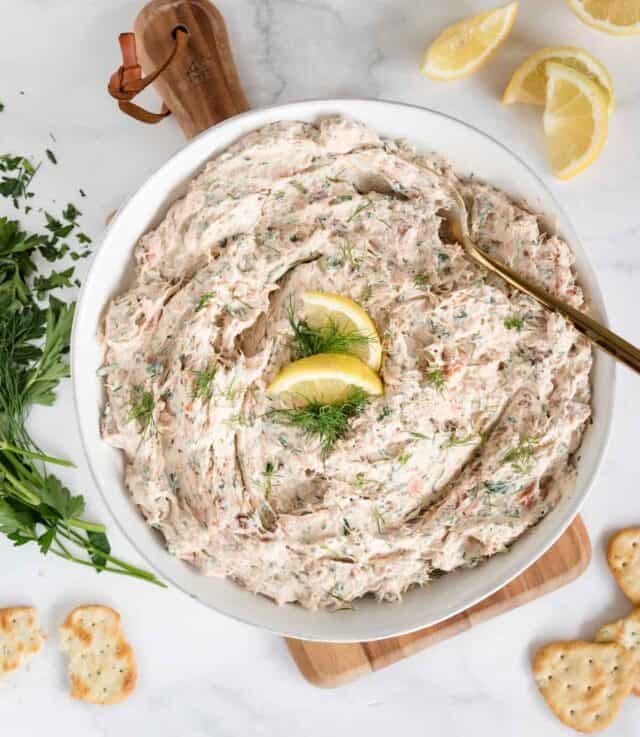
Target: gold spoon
{"x":620,"y":349}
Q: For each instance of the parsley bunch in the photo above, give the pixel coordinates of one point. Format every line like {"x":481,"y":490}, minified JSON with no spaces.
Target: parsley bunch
{"x":35,"y":328}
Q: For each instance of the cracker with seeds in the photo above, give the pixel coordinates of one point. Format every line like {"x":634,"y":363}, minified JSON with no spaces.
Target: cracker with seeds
{"x":20,"y":637}
{"x":626,"y":632}
{"x":101,"y":664}
{"x":585,"y":683}
{"x":623,"y":556}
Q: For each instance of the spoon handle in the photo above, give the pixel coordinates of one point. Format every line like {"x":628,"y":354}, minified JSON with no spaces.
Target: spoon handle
{"x":613,"y":344}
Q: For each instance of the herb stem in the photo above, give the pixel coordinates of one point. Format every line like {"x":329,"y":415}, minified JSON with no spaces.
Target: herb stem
{"x":27,"y":495}
{"x":79,"y":540}
{"x":35,"y":456}
{"x":89,"y":526}
{"x":122,"y":572}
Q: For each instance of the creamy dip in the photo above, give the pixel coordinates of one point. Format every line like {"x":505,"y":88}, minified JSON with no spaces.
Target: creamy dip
{"x":486,"y":394}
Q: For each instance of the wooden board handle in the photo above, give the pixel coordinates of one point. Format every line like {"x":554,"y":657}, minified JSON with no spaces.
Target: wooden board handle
{"x":201,"y":86}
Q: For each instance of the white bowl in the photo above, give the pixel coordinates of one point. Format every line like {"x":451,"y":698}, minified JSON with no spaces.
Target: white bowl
{"x":470,"y":151}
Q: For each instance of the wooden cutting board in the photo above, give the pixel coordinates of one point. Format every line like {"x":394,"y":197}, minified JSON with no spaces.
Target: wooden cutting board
{"x":201,"y":89}
{"x":332,"y":664}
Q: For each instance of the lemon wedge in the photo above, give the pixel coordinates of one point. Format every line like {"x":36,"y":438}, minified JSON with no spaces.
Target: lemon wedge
{"x":325,"y":378}
{"x":616,"y":17}
{"x":575,"y":120}
{"x":529,"y":81}
{"x":325,"y":308}
{"x":465,"y":46}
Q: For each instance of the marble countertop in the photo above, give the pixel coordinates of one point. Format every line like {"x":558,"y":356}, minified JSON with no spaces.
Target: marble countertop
{"x":202,"y":674}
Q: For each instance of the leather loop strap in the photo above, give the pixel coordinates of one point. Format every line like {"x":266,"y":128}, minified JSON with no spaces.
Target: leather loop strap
{"x":128,"y":81}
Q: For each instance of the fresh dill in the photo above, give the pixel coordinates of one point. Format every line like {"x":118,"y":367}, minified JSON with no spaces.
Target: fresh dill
{"x":419,"y":436}
{"x":269,"y":480}
{"x":386,"y":412}
{"x":379,"y":519}
{"x":330,"y":338}
{"x":421,"y":280}
{"x":340,"y":198}
{"x":345,"y":605}
{"x":141,"y":404}
{"x":326,"y":423}
{"x":454,"y":441}
{"x":496,"y":487}
{"x":361,"y":207}
{"x":436,"y":379}
{"x":202,"y":302}
{"x":203,"y":388}
{"x":232,"y":391}
{"x":236,"y":421}
{"x":336,"y":555}
{"x":347,"y":255}
{"x":300,"y":187}
{"x":521,"y":457}
{"x":514,"y":323}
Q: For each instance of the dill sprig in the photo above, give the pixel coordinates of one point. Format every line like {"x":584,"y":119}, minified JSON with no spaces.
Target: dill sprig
{"x":514,"y":323}
{"x":326,"y":423}
{"x":330,"y":338}
{"x":203,"y":388}
{"x":436,"y":379}
{"x":421,"y":280}
{"x":203,"y":301}
{"x":344,"y":603}
{"x":454,"y":441}
{"x":270,"y":478}
{"x":378,"y":518}
{"x":521,"y":457}
{"x":141,"y":404}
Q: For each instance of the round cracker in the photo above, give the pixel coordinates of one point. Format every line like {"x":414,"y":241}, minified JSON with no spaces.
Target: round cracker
{"x":623,"y":556}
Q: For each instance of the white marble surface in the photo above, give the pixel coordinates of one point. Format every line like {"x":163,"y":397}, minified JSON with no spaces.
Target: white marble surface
{"x":200,"y":673}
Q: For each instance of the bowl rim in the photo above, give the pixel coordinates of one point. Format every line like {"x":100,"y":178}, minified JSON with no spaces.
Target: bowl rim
{"x":570,"y":235}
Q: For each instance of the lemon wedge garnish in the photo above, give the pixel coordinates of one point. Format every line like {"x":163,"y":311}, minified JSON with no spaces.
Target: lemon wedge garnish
{"x":326,"y":308}
{"x":464,"y":47}
{"x":529,"y":81}
{"x":616,"y":17}
{"x":575,"y":120}
{"x":324,"y":378}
